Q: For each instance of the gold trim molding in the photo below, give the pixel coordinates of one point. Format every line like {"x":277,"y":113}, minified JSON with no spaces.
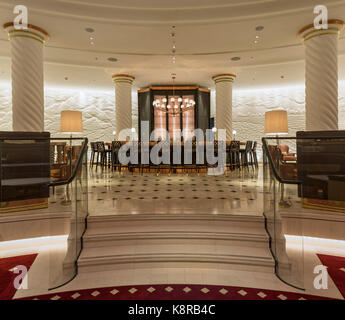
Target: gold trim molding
{"x":224,"y":75}
{"x":173,"y":87}
{"x":122,"y":76}
{"x":30,"y":26}
{"x":319,"y":32}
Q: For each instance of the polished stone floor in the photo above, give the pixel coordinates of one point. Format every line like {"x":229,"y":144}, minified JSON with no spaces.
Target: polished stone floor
{"x":110,"y":194}
{"x":234,"y":193}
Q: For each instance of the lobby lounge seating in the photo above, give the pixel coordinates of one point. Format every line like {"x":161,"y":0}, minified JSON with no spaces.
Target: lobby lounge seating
{"x":286,"y":155}
{"x":246,"y":153}
{"x":103,"y":154}
{"x":193,"y":157}
{"x":115,"y":163}
{"x":235,"y":157}
{"x":253,"y":155}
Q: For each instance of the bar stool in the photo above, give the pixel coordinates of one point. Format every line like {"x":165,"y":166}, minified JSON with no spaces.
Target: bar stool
{"x":103,"y":153}
{"x":253,"y":155}
{"x":144,"y":154}
{"x":245,"y":153}
{"x":165,"y":147}
{"x":134,"y":160}
{"x":94,"y":153}
{"x":235,"y":159}
{"x":115,"y":162}
{"x":189,"y":153}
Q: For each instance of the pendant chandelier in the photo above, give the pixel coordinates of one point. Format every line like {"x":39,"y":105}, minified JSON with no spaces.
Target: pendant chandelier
{"x":174,"y":105}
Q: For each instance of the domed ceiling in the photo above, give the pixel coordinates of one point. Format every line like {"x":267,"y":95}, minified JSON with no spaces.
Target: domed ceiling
{"x":211,"y":37}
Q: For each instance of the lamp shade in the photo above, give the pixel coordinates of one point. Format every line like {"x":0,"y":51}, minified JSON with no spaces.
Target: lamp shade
{"x":71,"y":121}
{"x":276,"y":122}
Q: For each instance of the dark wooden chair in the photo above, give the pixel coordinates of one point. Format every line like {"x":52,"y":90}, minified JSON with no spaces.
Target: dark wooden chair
{"x":144,"y":157}
{"x":245,"y":154}
{"x":115,"y":162}
{"x":103,"y":154}
{"x":94,"y":154}
{"x":163,"y":166}
{"x":253,"y":155}
{"x":235,"y":158}
{"x":189,"y":155}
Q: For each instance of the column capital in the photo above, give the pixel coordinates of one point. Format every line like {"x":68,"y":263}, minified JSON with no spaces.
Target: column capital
{"x":123,"y":78}
{"x":225,"y":77}
{"x":32,"y":32}
{"x":309,"y":32}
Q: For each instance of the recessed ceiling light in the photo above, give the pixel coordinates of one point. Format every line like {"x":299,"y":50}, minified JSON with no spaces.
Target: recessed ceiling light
{"x":259,"y":28}
{"x":90,"y":30}
{"x":235,"y":58}
{"x":112,"y":59}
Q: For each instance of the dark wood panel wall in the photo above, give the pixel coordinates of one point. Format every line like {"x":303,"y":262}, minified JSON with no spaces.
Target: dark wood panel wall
{"x":201,"y":98}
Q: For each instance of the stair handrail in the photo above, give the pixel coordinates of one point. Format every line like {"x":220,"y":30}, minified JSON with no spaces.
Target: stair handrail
{"x":271,"y":163}
{"x":76,"y":168}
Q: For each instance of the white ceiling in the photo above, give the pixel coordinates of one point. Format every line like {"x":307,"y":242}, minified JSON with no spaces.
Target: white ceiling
{"x":136,"y":32}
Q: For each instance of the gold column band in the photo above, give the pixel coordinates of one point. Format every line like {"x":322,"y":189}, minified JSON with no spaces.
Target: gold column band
{"x":26,"y":31}
{"x":321,"y":34}
{"x":26,"y":36}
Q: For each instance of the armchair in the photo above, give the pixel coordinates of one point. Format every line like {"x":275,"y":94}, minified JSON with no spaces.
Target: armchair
{"x":286,"y":155}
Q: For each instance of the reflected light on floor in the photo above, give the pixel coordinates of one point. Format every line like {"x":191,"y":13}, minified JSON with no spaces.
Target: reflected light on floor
{"x":53,"y":242}
{"x":315,"y":244}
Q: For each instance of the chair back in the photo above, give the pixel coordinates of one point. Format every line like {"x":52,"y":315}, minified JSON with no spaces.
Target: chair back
{"x":284,"y":149}
{"x":100,"y":146}
{"x":93,"y":146}
{"x":248,"y":146}
{"x":115,"y":145}
{"x":254,"y":146}
{"x":235,"y":145}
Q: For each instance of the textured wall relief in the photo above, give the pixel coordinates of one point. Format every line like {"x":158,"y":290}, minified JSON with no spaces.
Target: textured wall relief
{"x":5,"y":108}
{"x":249,"y":107}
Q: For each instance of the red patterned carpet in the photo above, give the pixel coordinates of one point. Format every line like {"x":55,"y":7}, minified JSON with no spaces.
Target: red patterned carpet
{"x":176,"y":292}
{"x":335,"y":264}
{"x":336,"y":270}
{"x":7,"y":289}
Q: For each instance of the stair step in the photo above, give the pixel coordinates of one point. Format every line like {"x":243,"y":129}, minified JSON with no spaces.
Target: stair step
{"x":148,"y":223}
{"x":172,"y":237}
{"x":193,"y":260}
{"x":168,"y":240}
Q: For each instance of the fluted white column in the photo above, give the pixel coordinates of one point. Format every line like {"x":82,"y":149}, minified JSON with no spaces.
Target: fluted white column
{"x":27,"y":77}
{"x":321,"y":75}
{"x":123,"y":101}
{"x":224,"y":102}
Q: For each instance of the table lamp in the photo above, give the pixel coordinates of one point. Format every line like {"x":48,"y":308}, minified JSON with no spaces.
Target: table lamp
{"x":276,"y":123}
{"x":70,"y":122}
